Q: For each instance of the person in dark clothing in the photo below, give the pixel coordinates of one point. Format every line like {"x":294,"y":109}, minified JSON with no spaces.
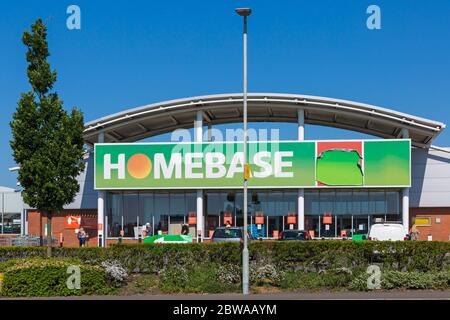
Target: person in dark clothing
{"x":82,"y":236}
{"x":184,"y":229}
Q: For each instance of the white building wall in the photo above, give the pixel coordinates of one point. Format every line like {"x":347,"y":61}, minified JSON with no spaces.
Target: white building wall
{"x":430,"y":175}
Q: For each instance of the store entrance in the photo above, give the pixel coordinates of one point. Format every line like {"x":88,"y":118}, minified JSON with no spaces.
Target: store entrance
{"x":269,"y":211}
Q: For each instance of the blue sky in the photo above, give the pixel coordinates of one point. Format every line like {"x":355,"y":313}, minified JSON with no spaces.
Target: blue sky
{"x":131,"y":53}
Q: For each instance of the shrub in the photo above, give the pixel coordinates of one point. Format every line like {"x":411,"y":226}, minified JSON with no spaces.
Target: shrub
{"x":266,"y":274}
{"x":391,"y":279}
{"x":115,"y":272}
{"x":216,"y":267}
{"x":39,"y":277}
{"x":174,"y":279}
{"x":229,"y":273}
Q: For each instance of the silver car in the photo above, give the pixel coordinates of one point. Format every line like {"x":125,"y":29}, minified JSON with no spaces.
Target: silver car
{"x":230,"y":234}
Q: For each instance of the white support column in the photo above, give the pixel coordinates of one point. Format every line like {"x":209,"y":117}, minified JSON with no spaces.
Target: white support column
{"x":301,"y":124}
{"x":198,"y":126}
{"x":405,"y":193}
{"x":198,"y":132}
{"x":301,"y":192}
{"x":209,"y":132}
{"x":101,"y":206}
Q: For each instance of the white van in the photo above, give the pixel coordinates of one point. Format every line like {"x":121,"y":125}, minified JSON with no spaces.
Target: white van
{"x":388,"y":231}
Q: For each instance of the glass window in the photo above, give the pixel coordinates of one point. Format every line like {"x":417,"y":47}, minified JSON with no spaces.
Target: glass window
{"x":290,"y":199}
{"x":115,"y":214}
{"x":393,"y":202}
{"x":146,"y":209}
{"x":377,"y":202}
{"x":312,"y":202}
{"x":327,"y":200}
{"x":130,"y":213}
{"x":213,"y":209}
{"x":343,"y":202}
{"x":191,"y":202}
{"x":162,"y":211}
{"x":177,"y":205}
{"x":11,"y":223}
{"x":360,"y":202}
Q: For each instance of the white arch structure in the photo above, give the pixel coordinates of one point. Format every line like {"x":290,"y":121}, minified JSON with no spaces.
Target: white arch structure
{"x":139,"y":123}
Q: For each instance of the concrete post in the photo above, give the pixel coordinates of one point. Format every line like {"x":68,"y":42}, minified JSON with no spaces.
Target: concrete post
{"x":301,"y":192}
{"x":101,"y":206}
{"x":198,"y":132}
{"x":405,"y":193}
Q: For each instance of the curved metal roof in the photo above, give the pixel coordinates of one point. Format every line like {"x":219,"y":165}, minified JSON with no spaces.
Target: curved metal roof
{"x":154,"y":119}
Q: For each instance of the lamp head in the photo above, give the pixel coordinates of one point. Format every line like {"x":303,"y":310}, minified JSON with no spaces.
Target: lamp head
{"x":244,"y":12}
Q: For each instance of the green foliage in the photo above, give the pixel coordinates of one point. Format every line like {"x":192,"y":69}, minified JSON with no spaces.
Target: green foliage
{"x":310,"y":256}
{"x":299,"y":280}
{"x":141,"y":284}
{"x":289,"y":265}
{"x":39,"y":277}
{"x":266,"y":274}
{"x":391,"y":279}
{"x":195,"y":279}
{"x":47,"y":141}
{"x":316,"y":256}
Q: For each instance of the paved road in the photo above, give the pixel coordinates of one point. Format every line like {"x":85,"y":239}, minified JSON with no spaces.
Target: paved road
{"x":377,"y":295}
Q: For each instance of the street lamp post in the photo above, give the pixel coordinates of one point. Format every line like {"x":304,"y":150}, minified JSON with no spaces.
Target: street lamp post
{"x":245,"y":12}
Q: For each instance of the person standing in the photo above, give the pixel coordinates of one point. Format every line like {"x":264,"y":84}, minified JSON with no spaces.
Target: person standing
{"x":185,"y":229}
{"x":414,"y":233}
{"x":82,"y":236}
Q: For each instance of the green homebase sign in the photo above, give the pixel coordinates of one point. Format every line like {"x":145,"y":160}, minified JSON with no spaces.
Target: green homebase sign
{"x":273,"y":164}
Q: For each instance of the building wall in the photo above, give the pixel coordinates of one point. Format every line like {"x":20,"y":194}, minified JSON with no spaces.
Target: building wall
{"x":37,"y":222}
{"x":11,"y":202}
{"x":430,"y":174}
{"x":439,"y":231}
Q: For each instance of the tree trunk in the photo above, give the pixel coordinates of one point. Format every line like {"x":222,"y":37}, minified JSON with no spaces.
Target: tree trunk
{"x":49,"y":234}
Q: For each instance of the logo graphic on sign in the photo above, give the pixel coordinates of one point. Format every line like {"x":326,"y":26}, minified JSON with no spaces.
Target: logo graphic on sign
{"x":73,"y":222}
{"x":344,"y":155}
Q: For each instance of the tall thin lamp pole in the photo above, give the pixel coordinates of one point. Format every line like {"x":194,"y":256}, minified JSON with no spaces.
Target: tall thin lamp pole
{"x":245,"y":12}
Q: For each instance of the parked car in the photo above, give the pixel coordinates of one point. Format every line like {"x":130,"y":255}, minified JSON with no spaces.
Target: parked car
{"x":294,"y":235}
{"x":224,"y":234}
{"x":388,"y":232}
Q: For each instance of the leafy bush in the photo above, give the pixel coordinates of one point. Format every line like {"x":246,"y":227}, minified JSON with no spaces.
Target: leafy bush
{"x":216,"y":267}
{"x":229,"y":273}
{"x":196,"y":279}
{"x":266,"y":274}
{"x":115,"y":272}
{"x":39,"y":277}
{"x":391,"y":279}
{"x":174,"y":279}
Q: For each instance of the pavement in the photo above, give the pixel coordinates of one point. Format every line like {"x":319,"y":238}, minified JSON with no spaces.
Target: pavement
{"x":323,"y":295}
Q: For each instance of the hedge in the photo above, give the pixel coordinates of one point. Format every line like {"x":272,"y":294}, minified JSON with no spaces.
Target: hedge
{"x":289,"y":265}
{"x":40,"y":277}
{"x":309,"y":256}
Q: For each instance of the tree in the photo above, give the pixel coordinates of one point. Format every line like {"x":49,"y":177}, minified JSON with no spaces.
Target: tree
{"x":47,"y":141}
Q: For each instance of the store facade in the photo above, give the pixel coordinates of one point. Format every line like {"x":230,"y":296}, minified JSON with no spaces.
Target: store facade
{"x":398,"y":176}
